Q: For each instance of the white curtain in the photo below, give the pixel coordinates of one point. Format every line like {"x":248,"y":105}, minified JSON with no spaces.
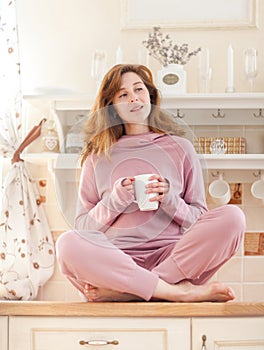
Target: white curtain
{"x":27,"y":254}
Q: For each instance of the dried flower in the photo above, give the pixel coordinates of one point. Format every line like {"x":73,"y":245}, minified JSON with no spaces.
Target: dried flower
{"x":165,"y":51}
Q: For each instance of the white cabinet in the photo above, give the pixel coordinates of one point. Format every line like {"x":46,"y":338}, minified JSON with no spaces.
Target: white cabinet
{"x":232,"y":333}
{"x":4,"y":333}
{"x":130,"y":333}
{"x":69,"y":333}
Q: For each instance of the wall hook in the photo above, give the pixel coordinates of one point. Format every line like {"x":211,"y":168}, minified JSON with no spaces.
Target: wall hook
{"x":257,"y":173}
{"x":218,"y":115}
{"x":259,"y":115}
{"x":216,"y":173}
{"x":179,"y":115}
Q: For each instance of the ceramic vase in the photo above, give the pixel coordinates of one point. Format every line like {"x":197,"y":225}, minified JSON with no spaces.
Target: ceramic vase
{"x":172,"y":80}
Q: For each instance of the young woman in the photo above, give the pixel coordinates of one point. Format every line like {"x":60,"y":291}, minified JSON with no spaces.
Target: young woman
{"x":118,"y":252}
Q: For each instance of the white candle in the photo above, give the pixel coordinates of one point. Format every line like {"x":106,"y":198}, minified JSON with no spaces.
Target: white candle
{"x":230,"y":69}
{"x":119,"y":55}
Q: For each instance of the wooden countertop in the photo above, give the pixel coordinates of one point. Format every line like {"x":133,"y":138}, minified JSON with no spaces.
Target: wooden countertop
{"x":131,"y":309}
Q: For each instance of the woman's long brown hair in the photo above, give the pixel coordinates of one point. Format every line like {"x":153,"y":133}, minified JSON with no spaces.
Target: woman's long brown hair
{"x":104,"y":127}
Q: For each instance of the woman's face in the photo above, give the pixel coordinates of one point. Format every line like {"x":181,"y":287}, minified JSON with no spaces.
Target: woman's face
{"x":132,"y":101}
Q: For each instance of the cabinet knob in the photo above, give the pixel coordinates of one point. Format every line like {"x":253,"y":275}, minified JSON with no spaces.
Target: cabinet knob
{"x":99,"y":342}
{"x":204,"y":342}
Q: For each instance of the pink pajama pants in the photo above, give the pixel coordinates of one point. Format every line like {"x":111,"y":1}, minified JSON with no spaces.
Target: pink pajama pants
{"x":202,"y":250}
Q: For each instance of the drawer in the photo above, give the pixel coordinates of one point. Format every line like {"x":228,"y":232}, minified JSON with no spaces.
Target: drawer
{"x":70,"y":333}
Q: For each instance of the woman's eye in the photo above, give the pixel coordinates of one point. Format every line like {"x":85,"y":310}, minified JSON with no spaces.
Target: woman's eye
{"x":139,"y":89}
{"x":123,"y":95}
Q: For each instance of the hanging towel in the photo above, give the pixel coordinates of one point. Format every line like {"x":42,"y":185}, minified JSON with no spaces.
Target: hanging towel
{"x":27,"y":253}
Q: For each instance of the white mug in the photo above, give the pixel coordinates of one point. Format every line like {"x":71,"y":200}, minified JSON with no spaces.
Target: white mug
{"x":219,"y":190}
{"x":257,"y":189}
{"x":142,"y":198}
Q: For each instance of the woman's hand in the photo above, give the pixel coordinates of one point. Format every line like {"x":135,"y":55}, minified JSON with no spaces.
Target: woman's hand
{"x":161,"y":187}
{"x":127,"y":183}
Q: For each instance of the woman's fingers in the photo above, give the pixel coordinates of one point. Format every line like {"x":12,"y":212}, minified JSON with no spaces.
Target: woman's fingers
{"x":161,"y":186}
{"x":128,"y":184}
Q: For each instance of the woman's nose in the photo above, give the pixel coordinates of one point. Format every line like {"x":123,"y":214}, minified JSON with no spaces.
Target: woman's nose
{"x":133,"y":99}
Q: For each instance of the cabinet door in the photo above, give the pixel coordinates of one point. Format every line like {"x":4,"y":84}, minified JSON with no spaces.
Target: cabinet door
{"x":69,"y":333}
{"x":228,"y":333}
{"x":3,"y":332}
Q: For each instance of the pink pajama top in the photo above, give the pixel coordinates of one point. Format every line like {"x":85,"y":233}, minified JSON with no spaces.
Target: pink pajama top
{"x":104,"y":205}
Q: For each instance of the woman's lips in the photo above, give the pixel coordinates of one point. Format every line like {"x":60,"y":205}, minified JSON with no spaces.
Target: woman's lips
{"x":136,"y":108}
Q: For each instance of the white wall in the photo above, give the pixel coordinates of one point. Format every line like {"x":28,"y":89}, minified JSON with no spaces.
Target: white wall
{"x":57,"y":38}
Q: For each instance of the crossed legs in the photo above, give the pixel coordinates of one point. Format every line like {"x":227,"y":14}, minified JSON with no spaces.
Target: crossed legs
{"x":103,"y":272}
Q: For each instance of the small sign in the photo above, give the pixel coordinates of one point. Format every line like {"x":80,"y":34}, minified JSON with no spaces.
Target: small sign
{"x":170,"y":79}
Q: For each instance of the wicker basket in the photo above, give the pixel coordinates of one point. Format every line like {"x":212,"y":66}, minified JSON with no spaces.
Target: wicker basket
{"x":233,"y":145}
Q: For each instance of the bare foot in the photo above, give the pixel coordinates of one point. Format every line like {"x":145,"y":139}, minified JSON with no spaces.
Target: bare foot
{"x":93,"y":293}
{"x":182,"y":292}
{"x":187,"y":292}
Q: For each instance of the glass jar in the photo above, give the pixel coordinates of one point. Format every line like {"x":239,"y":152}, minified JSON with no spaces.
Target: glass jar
{"x":50,"y":139}
{"x":74,"y":137}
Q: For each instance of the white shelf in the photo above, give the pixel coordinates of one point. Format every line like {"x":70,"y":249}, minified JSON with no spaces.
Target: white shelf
{"x":53,"y":160}
{"x":220,"y":100}
{"x":242,"y":100}
{"x":209,"y":161}
{"x":70,"y":102}
{"x":233,"y":161}
{"x":39,"y":158}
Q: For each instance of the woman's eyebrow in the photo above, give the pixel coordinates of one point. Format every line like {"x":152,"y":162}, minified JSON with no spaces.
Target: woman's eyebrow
{"x":137,"y":82}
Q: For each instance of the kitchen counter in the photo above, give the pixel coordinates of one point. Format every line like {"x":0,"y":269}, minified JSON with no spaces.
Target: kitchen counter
{"x":130,"y":309}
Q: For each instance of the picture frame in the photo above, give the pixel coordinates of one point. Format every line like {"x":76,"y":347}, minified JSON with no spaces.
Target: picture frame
{"x":189,"y":14}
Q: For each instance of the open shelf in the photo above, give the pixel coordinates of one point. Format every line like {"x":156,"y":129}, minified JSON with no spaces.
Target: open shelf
{"x":53,"y":160}
{"x":210,"y":161}
{"x":233,"y":161}
{"x":198,"y":110}
{"x":241,"y":100}
{"x":217,"y":100}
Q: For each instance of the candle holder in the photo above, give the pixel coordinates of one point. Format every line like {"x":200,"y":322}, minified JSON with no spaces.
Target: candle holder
{"x":204,"y":71}
{"x":98,"y":67}
{"x":230,"y":89}
{"x":230,"y":70}
{"x":251,"y":66}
